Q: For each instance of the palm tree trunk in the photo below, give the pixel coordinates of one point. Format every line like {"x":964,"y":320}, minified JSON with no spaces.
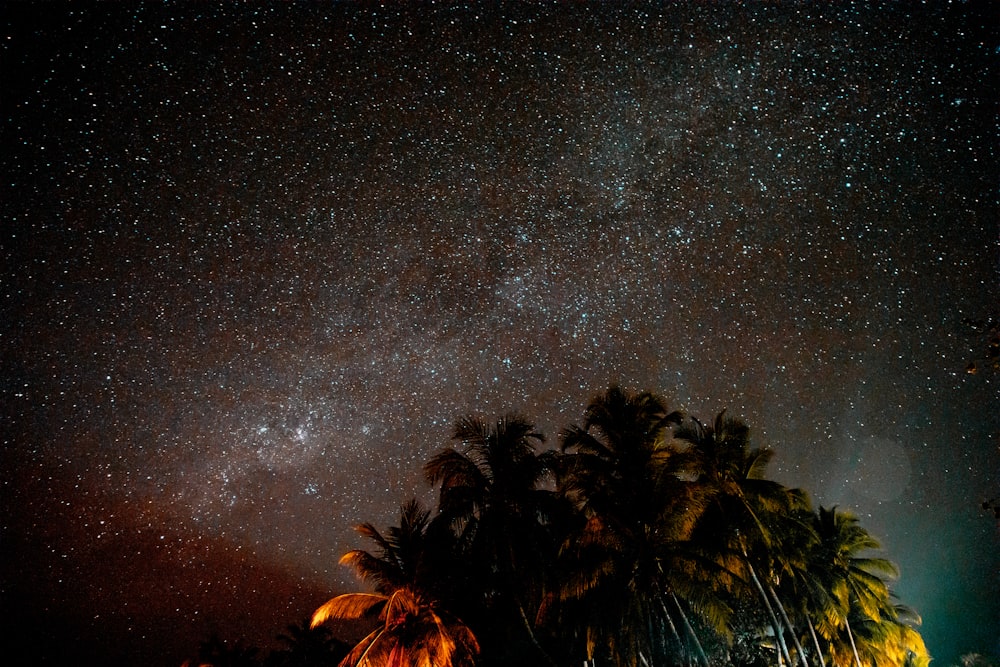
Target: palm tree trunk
{"x":819,"y":650}
{"x":689,"y":657}
{"x":784,"y":616}
{"x":531,"y":633}
{"x":687,"y":625}
{"x":507,"y":575}
{"x":659,"y":644}
{"x":673,"y":628}
{"x":779,"y":635}
{"x":850,"y":635}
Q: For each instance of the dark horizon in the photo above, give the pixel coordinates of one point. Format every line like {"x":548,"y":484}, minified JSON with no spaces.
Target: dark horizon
{"x":258,"y":259}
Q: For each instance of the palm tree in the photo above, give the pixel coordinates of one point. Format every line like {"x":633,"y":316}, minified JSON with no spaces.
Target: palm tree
{"x":891,"y":638}
{"x":627,"y":563}
{"x":856,"y":584}
{"x":785,"y":574}
{"x":414,"y":629}
{"x":794,"y":580}
{"x":403,"y":553}
{"x":492,"y":497}
{"x":748,"y":522}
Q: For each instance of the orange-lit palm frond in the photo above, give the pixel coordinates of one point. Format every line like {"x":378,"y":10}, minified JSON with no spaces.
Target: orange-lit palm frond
{"x":350,"y":606}
{"x":403,"y":603}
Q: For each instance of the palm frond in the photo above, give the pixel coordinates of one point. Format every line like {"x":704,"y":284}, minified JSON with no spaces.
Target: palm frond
{"x":516,"y":433}
{"x":471,"y":431}
{"x":452,"y":468}
{"x":877,"y":566}
{"x":366,"y":529}
{"x":349,"y":606}
{"x":370,"y":569}
{"x":582,"y":441}
{"x":413,"y":518}
{"x":755,"y":466}
{"x":402,"y":603}
{"x":369,"y":652}
{"x":445,"y":646}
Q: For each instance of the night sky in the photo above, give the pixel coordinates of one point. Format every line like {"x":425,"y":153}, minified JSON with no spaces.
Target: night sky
{"x":257,"y":260}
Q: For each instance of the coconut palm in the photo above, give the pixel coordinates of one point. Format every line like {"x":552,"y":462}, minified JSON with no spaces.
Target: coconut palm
{"x":414,"y":629}
{"x":785,"y":573}
{"x":492,"y":497}
{"x":748,"y":524}
{"x":856,"y":584}
{"x":890,"y":639}
{"x":627,"y":568}
{"x":406,"y":556}
{"x":794,"y":580}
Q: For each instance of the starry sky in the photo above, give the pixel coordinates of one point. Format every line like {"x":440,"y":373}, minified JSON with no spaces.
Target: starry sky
{"x":258,"y":258}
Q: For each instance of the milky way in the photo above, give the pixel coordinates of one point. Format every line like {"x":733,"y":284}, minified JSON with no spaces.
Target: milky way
{"x":257,"y":261}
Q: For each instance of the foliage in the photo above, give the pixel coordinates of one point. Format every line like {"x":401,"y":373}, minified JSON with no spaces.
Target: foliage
{"x":647,"y":538}
{"x":412,"y":632}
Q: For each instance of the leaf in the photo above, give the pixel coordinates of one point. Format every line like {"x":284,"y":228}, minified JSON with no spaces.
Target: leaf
{"x":367,"y":649}
{"x":350,"y":606}
{"x":386,"y":548}
{"x":381,"y":573}
{"x":402,"y":604}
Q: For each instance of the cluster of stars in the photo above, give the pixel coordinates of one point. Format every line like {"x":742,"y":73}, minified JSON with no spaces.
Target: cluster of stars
{"x":259,"y":259}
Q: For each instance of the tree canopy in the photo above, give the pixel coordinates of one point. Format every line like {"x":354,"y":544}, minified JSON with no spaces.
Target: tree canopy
{"x":647,"y":538}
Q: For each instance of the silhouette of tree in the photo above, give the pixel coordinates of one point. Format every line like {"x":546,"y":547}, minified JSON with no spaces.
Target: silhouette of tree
{"x":491,"y":498}
{"x":628,"y":560}
{"x":648,"y":539}
{"x":859,"y":618}
{"x":413,"y":628}
{"x":745,"y":516}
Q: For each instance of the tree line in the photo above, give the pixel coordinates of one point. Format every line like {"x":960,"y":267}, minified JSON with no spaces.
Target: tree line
{"x":647,"y":539}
